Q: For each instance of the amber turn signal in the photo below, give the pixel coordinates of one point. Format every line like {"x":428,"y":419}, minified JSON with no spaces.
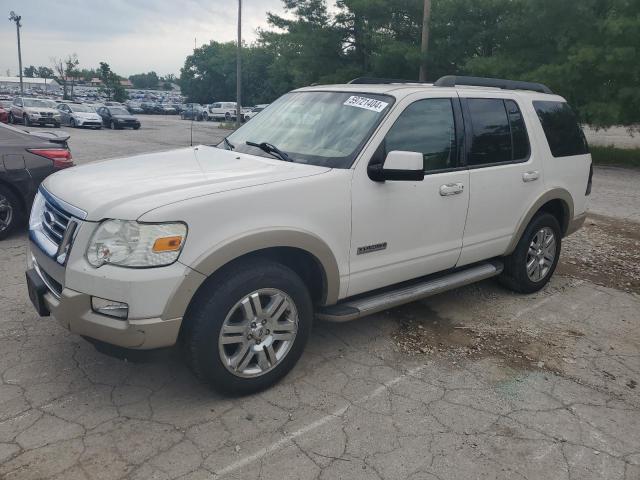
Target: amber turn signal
{"x":167,"y":244}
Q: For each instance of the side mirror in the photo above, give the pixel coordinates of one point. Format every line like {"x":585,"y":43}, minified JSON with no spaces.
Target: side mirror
{"x":399,"y":166}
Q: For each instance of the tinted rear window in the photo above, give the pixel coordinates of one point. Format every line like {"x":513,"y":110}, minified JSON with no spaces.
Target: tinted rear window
{"x":499,"y":133}
{"x":561,"y":128}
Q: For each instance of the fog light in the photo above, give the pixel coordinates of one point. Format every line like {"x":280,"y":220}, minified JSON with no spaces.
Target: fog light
{"x":110,"y":308}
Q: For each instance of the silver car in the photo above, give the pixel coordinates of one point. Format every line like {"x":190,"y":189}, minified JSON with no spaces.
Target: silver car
{"x":79,"y":115}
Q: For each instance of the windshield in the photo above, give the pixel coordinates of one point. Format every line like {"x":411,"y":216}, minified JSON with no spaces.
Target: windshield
{"x":35,"y":102}
{"x":321,"y":128}
{"x":81,"y":108}
{"x":118,"y":111}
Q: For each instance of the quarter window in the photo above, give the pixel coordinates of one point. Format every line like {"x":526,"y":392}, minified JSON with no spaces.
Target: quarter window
{"x":426,"y":126}
{"x":561,"y":128}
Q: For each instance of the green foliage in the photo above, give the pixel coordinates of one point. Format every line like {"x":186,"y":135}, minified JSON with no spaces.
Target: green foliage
{"x":111,"y":84}
{"x":587,"y":51}
{"x":145,"y":80}
{"x":30,"y":71}
{"x":44,"y":72}
{"x":616,"y":156}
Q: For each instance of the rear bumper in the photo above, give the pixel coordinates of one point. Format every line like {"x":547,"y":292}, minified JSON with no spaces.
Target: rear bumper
{"x":576,"y":223}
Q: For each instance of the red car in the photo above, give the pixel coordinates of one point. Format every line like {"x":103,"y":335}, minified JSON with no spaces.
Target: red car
{"x":4,"y":112}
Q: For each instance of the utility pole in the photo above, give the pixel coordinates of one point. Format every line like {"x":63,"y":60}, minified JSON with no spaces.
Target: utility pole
{"x":239,"y":68}
{"x":426,"y":17}
{"x":16,"y":18}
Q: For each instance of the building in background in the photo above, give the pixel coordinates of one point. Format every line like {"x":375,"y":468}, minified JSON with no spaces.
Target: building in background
{"x":11,"y":83}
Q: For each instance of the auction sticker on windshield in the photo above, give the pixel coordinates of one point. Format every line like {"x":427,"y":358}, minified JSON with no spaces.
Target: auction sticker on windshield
{"x":366,"y":103}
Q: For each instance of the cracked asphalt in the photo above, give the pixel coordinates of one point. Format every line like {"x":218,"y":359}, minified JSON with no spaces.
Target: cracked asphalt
{"x":564,"y":404}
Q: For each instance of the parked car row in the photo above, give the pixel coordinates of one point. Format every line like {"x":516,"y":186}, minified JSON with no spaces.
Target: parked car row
{"x":42,"y":112}
{"x":220,"y":111}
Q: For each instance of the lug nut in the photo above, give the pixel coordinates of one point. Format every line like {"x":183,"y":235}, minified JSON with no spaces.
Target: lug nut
{"x":268,"y":331}
{"x":253,"y":324}
{"x":264,"y":322}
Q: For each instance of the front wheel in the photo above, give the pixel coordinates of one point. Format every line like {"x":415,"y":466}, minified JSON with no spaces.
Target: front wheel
{"x":531,"y":265}
{"x":27,"y":122}
{"x":247,"y":329}
{"x":11,"y":119}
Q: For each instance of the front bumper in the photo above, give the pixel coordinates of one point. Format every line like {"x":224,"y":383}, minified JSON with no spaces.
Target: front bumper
{"x":45,"y":120}
{"x":73,"y":311}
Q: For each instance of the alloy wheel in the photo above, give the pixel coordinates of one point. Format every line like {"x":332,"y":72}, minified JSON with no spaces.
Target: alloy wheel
{"x":6,"y":213}
{"x":258,"y":333}
{"x":541,"y":254}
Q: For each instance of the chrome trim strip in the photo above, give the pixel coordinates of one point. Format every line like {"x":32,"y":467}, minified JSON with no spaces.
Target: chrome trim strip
{"x":62,"y":205}
{"x":52,"y":290}
{"x":351,"y":310}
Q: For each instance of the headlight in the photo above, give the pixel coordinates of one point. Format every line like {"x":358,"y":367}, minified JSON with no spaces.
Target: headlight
{"x":132,"y":244}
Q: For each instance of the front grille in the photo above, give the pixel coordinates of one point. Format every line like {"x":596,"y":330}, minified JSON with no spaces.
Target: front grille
{"x":54,"y":222}
{"x":46,"y":114}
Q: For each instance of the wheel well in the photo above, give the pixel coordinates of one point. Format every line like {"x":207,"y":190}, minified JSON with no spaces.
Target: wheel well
{"x":558,"y":209}
{"x":307,"y":266}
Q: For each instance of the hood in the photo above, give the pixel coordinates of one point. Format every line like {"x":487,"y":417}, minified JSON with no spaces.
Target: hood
{"x":126,"y":188}
{"x":124,"y":117}
{"x":41,"y":109}
{"x":86,"y":115}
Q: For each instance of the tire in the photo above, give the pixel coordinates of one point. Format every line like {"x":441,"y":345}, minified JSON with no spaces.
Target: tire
{"x":227,"y":117}
{"x":137,"y":127}
{"x":205,"y":116}
{"x":73,"y":123}
{"x":26,"y":121}
{"x":516,"y":276}
{"x":219,"y":303}
{"x":11,"y":119}
{"x":10,"y":212}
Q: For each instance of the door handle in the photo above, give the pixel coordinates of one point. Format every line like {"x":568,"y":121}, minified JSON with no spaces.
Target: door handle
{"x":451,"y":189}
{"x":530,"y":176}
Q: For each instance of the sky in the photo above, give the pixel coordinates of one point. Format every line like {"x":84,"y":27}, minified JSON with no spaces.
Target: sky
{"x":132,"y":36}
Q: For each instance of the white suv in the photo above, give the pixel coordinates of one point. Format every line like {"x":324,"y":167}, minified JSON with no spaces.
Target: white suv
{"x":336,"y":202}
{"x":226,"y":111}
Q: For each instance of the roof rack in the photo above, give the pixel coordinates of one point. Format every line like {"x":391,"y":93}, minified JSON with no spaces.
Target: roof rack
{"x":380,"y":81}
{"x":453,"y":81}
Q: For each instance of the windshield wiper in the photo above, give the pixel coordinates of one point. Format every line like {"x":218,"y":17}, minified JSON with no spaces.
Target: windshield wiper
{"x":272,"y":150}
{"x":229,"y":145}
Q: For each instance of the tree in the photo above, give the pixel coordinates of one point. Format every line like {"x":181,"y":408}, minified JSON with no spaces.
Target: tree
{"x":70,"y":69}
{"x":145,"y":80}
{"x":30,"y":71}
{"x":586,"y":51}
{"x":59,"y":69}
{"x":45,"y":72}
{"x":111,"y":86}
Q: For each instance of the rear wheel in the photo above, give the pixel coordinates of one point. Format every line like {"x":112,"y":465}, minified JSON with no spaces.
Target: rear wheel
{"x":247,"y":331}
{"x":531,"y":265}
{"x":9,"y":211}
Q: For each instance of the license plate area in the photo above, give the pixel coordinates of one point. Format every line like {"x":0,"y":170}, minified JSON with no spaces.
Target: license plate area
{"x":37,"y":290}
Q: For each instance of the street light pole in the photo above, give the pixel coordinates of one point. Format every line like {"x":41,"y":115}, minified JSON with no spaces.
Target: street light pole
{"x":16,"y":18}
{"x":424,"y":47}
{"x":239,"y":67}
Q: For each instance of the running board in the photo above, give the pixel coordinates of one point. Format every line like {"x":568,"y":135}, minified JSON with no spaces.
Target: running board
{"x":366,"y":305}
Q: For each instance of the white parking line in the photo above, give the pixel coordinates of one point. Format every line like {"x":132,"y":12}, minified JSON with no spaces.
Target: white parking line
{"x":249,"y":459}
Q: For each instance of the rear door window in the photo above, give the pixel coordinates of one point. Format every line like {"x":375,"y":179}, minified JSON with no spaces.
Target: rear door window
{"x":560,"y":125}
